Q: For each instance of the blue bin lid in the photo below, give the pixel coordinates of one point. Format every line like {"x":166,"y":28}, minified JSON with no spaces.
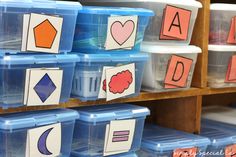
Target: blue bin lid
{"x":220,"y":134}
{"x":100,"y":113}
{"x":116,"y":11}
{"x":132,"y":154}
{"x":36,"y":118}
{"x":37,"y":59}
{"x":64,"y":5}
{"x":161,"y":139}
{"x":113,"y":57}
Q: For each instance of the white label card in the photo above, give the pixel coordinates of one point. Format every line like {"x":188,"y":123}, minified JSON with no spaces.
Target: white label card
{"x":121,"y":32}
{"x":102,"y":91}
{"x":43,"y":86}
{"x":119,"y":137}
{"x":44,"y":141}
{"x":41,"y":33}
{"x":120,"y":81}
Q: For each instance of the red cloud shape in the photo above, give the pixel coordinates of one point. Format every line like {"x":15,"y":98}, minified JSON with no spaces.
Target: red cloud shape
{"x":104,"y":87}
{"x":120,"y":82}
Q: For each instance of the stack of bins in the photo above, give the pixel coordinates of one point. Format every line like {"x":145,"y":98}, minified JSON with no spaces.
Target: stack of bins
{"x":108,"y":130}
{"x":94,"y":29}
{"x":223,"y":119}
{"x":222,"y":136}
{"x":19,"y":131}
{"x":172,"y":59}
{"x":159,"y":142}
{"x":222,"y":46}
{"x":35,"y":70}
{"x":35,"y":37}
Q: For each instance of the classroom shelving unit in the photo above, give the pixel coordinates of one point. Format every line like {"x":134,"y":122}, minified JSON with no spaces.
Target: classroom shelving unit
{"x":179,"y":109}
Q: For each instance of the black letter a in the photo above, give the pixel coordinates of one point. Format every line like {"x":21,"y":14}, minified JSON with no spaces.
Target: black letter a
{"x":176,"y":25}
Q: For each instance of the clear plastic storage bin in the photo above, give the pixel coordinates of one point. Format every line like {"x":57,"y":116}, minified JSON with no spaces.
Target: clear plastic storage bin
{"x":95,"y":121}
{"x":88,"y":72}
{"x":92,"y":23}
{"x":156,"y":69}
{"x":152,"y":33}
{"x":163,"y":142}
{"x":223,"y":138}
{"x":119,"y":155}
{"x":218,"y":61}
{"x":221,"y":18}
{"x":13,"y":75}
{"x":220,"y":114}
{"x":126,"y":155}
{"x":12,"y":14}
{"x":14,"y":130}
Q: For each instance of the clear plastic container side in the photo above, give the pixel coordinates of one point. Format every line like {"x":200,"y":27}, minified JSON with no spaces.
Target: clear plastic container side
{"x":87,"y":78}
{"x":90,"y":143}
{"x":149,"y":153}
{"x":217,"y":68}
{"x":11,"y":26}
{"x":13,"y":142}
{"x":91,"y":29}
{"x":13,"y":82}
{"x":220,"y":22}
{"x":156,"y":69}
{"x":153,"y":30}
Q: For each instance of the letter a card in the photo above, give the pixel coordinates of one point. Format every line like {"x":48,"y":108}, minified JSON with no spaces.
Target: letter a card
{"x":231,"y":71}
{"x":178,"y":72}
{"x":175,"y":23}
{"x":120,"y":81}
{"x":44,"y":141}
{"x":121,"y":32}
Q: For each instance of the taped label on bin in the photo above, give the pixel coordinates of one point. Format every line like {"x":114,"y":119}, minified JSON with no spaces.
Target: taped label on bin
{"x":44,"y":141}
{"x":232,"y":32}
{"x":43,"y":86}
{"x":117,"y":82}
{"x":175,"y":23}
{"x":177,"y":72}
{"x":231,"y":71}
{"x":230,"y":151}
{"x":119,"y":136}
{"x":41,"y":33}
{"x":121,"y":32}
{"x":185,"y":152}
{"x":103,"y":85}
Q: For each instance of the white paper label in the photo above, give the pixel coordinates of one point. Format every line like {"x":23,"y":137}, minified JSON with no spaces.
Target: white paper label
{"x":120,"y":81}
{"x":41,"y":33}
{"x":102,"y":91}
{"x":119,"y":137}
{"x":44,"y":141}
{"x":121,"y":32}
{"x":43,"y":86}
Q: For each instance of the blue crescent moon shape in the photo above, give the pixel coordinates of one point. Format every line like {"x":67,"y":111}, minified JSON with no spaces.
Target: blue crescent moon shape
{"x":42,"y":143}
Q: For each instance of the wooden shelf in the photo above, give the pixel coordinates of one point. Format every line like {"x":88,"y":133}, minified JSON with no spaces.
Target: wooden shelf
{"x":144,"y":96}
{"x":211,"y":91}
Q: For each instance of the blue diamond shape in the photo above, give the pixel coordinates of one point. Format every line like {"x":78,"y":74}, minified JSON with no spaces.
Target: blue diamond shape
{"x":45,"y":87}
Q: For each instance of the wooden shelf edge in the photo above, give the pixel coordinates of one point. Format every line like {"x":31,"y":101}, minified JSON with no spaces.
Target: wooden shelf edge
{"x":212,"y":91}
{"x":144,"y":96}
